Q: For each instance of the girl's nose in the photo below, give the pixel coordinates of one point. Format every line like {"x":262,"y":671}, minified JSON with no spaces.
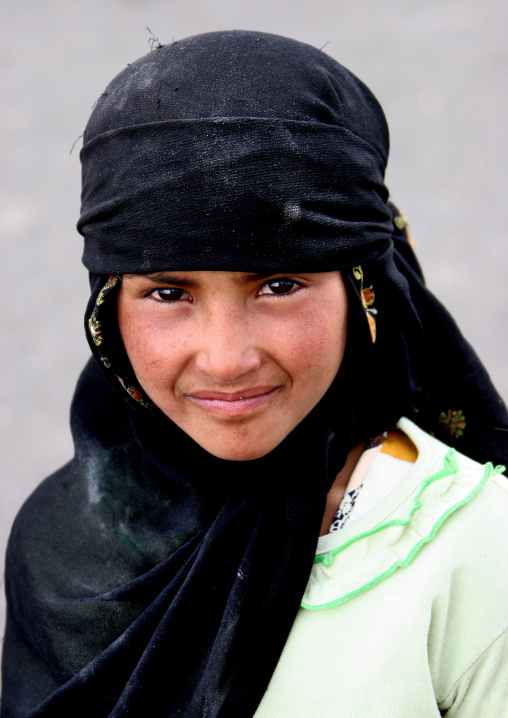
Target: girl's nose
{"x":227,"y":348}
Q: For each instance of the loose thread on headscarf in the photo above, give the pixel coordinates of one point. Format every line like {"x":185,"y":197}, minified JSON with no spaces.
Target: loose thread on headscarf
{"x":153,"y":41}
{"x":75,"y":142}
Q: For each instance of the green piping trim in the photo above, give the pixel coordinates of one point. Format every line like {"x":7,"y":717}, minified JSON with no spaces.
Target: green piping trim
{"x":450,"y":467}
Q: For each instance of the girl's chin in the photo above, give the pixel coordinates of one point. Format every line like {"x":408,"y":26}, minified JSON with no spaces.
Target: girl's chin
{"x":236,"y":454}
{"x":238,"y":450}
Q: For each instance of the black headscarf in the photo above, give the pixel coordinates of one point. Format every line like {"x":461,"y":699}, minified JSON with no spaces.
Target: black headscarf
{"x":148,"y":577}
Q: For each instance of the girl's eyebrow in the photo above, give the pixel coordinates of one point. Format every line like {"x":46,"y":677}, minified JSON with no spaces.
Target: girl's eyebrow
{"x":187,"y":281}
{"x":251,"y":276}
{"x":164,"y":278}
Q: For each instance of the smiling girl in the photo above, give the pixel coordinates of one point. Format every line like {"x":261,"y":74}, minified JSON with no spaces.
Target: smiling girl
{"x":233,"y":359}
{"x":248,"y":526}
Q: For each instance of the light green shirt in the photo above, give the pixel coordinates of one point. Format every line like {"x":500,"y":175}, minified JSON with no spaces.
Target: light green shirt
{"x":406,"y":610}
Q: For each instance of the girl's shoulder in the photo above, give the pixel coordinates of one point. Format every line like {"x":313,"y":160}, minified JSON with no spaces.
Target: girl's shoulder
{"x":411,"y":599}
{"x":444,"y":503}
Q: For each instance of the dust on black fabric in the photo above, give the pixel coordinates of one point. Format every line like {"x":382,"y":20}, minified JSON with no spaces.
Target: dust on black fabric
{"x":140,"y":601}
{"x":147,"y":577}
{"x":231,"y":151}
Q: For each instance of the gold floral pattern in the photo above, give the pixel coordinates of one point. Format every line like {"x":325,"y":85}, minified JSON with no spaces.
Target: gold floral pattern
{"x":96,"y":332}
{"x":454,"y":421}
{"x":94,"y":325}
{"x":400,"y":221}
{"x":132,"y":391}
{"x":112,"y":282}
{"x":368,"y":296}
{"x":95,"y":329}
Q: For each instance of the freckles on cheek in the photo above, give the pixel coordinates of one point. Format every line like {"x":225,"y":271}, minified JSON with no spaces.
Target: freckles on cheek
{"x":313,"y":356}
{"x":146,"y":360}
{"x":318,"y":346}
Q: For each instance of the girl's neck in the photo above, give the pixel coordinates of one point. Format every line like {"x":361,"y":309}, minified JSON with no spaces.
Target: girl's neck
{"x":338,"y":488}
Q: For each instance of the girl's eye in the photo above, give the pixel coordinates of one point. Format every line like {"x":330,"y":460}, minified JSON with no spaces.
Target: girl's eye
{"x":169,"y":294}
{"x":282,"y":285}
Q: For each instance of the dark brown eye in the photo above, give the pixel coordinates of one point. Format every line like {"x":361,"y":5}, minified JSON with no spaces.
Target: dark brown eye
{"x":168,"y":294}
{"x":279,"y":286}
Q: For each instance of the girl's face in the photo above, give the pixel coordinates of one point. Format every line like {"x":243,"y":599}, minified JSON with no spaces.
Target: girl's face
{"x":236,"y":360}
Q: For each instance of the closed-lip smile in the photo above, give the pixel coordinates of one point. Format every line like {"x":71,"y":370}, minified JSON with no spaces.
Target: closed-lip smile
{"x":233,"y":403}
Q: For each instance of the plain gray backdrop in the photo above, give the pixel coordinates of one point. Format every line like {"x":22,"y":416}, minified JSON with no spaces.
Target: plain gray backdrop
{"x":438,"y":67}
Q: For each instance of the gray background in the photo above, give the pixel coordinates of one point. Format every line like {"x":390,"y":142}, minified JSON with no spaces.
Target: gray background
{"x":439,"y":69}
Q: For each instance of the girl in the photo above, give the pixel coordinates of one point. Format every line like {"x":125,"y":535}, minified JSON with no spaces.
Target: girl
{"x":245,"y":529}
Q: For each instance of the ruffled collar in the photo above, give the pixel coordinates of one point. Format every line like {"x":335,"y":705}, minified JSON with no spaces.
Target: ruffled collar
{"x":389,"y":536}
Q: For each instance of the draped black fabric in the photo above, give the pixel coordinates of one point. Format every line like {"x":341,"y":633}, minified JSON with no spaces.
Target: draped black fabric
{"x":148,"y":577}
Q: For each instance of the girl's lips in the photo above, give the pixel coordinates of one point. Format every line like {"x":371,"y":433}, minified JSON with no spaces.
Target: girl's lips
{"x":235,"y":403}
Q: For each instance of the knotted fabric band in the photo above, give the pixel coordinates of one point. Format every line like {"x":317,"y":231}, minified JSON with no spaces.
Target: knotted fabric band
{"x":231,"y":194}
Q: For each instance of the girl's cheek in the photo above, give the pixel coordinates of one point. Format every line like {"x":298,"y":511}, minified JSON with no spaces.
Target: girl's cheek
{"x":318,"y":344}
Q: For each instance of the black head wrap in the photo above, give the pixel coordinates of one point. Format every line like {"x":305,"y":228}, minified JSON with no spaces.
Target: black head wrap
{"x":168,"y":580}
{"x":234,"y":150}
